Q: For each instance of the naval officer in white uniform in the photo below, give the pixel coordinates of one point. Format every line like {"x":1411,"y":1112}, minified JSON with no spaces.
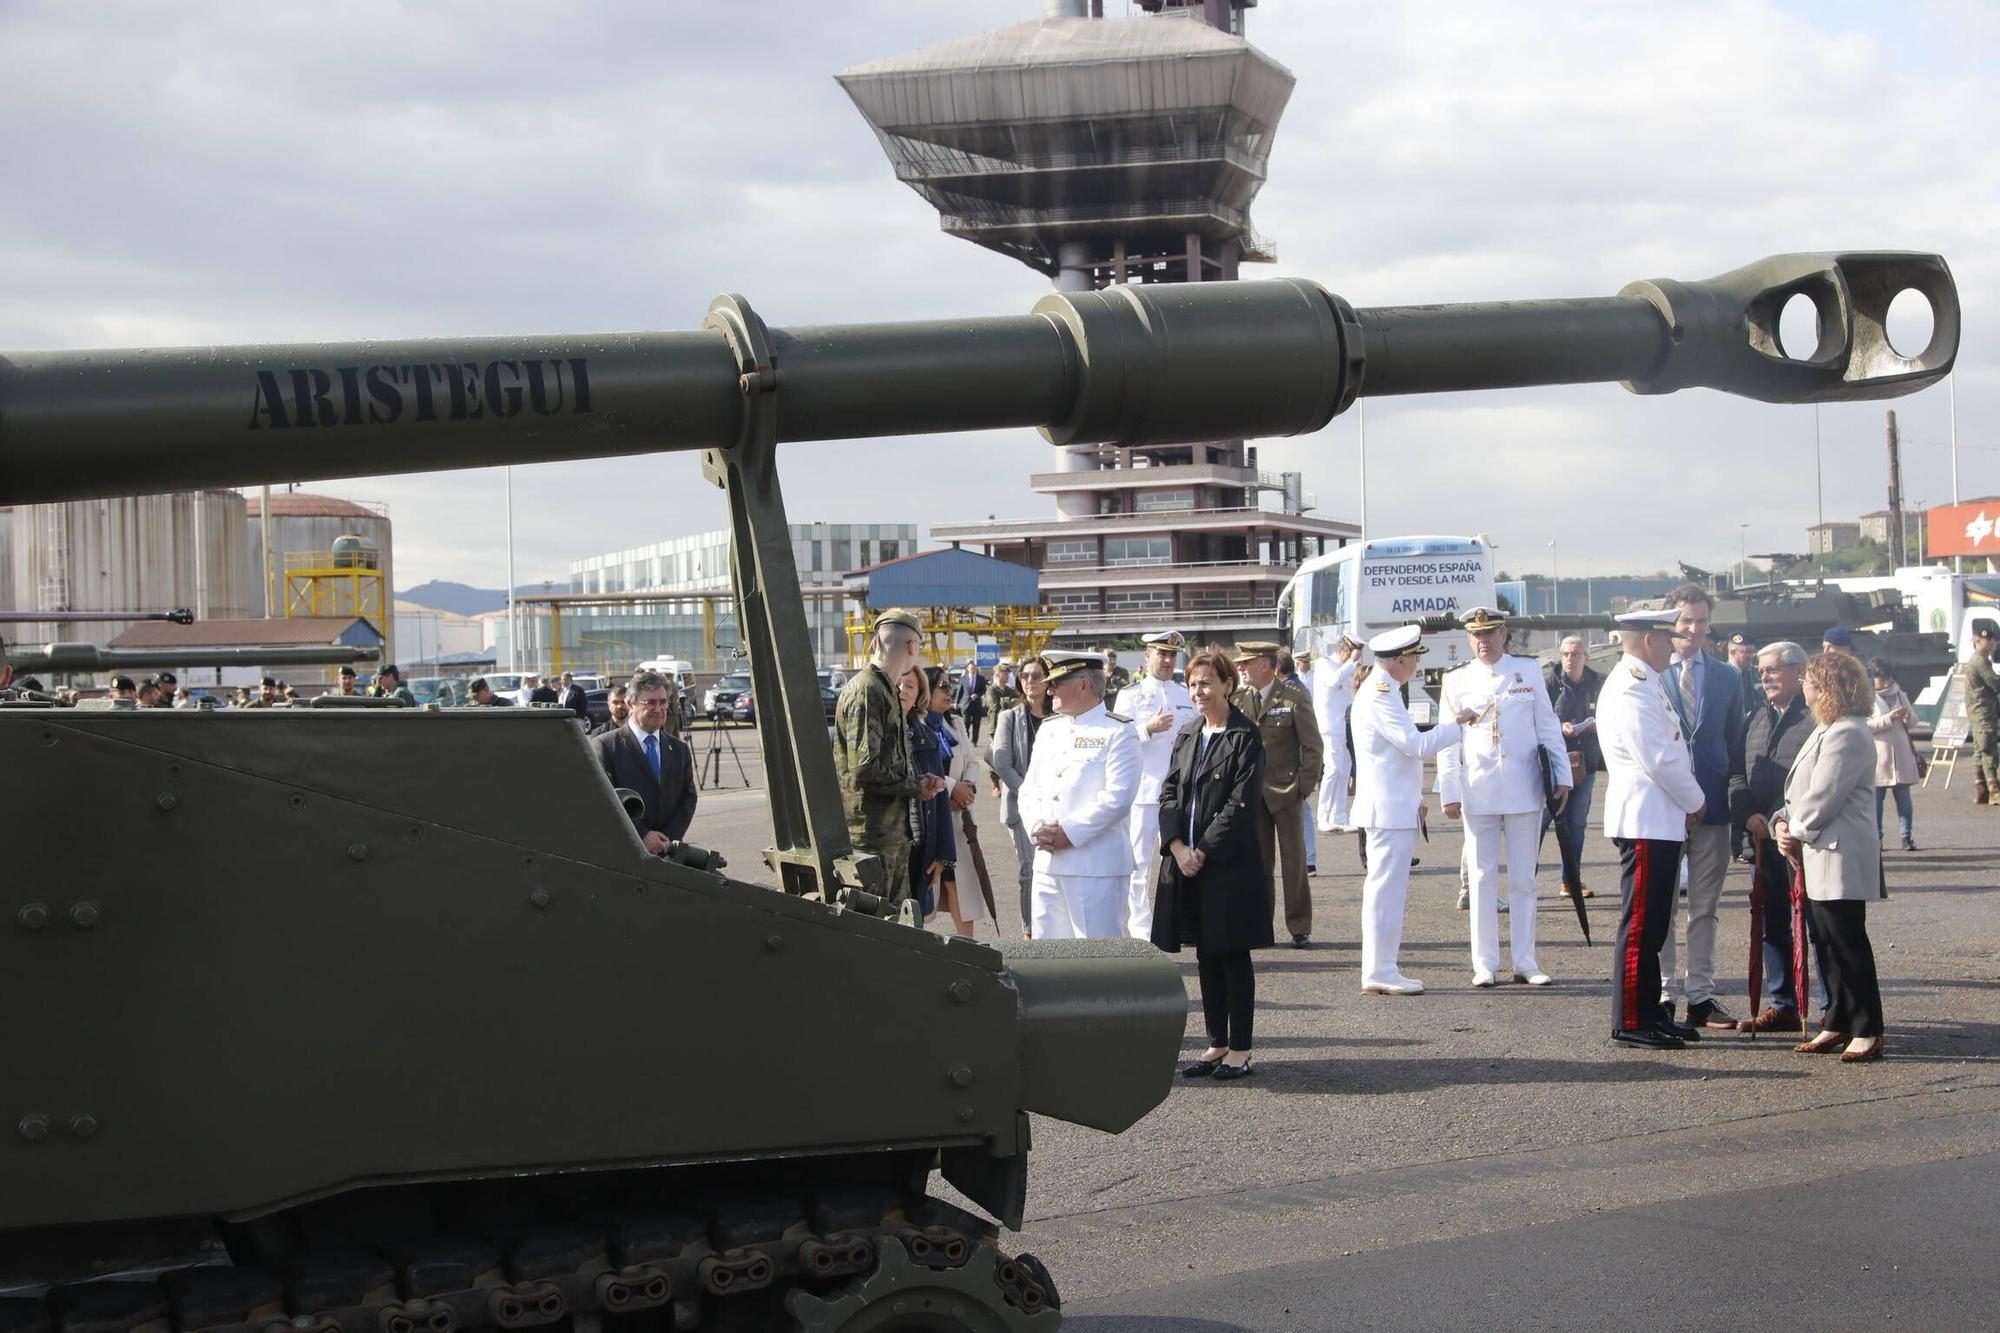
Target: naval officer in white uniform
{"x":1650,"y":799}
{"x":1389,"y":754}
{"x":1492,"y":778}
{"x":1158,"y":707}
{"x":1332,"y":696}
{"x":1076,"y":804}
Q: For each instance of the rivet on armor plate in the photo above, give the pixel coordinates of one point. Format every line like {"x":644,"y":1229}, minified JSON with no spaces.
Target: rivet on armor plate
{"x":960,"y":1076}
{"x":166,"y":800}
{"x":965,"y":1114}
{"x":540,"y":898}
{"x":357,"y":851}
{"x":34,"y":1128}
{"x":84,"y":915}
{"x":83,"y":1124}
{"x":960,"y":992}
{"x":33,"y":916}
{"x":774,"y":942}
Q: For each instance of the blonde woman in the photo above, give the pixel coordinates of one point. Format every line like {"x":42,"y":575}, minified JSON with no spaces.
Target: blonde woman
{"x":1827,"y":827}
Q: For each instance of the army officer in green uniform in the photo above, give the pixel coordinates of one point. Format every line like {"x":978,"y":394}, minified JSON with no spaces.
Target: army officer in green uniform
{"x":1293,"y":759}
{"x":871,"y":753}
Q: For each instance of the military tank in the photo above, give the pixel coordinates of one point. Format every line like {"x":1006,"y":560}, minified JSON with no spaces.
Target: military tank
{"x":317,"y":1027}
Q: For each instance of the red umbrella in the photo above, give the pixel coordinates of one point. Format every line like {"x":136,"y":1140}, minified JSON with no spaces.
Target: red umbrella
{"x":1756,"y":986}
{"x":1799,"y":938}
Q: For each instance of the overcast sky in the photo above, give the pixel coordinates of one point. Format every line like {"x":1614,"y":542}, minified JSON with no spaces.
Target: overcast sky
{"x":210,"y":172}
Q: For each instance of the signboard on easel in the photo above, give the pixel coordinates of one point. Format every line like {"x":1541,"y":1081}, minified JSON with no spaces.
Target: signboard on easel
{"x":1952,"y":729}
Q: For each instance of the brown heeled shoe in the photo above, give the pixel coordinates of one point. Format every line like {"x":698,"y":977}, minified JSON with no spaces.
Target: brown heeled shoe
{"x":1834,"y":1041}
{"x":1864,"y":1056}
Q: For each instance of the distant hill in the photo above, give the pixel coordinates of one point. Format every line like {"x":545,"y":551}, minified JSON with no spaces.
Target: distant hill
{"x":461,"y":599}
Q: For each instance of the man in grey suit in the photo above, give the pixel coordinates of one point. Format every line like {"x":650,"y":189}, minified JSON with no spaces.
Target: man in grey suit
{"x":644,"y":757}
{"x":1013,"y":746}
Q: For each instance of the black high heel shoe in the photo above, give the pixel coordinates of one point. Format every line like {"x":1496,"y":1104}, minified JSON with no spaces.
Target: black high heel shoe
{"x":1225,"y":1071}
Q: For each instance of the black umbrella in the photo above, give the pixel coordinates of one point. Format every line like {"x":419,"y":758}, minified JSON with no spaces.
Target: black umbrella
{"x":1572,"y":855}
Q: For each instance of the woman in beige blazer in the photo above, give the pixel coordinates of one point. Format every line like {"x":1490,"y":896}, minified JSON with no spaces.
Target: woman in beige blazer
{"x":1827,"y":826}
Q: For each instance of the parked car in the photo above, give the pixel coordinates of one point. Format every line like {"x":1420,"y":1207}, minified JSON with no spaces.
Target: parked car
{"x":722,"y":696}
{"x":448,"y":691}
{"x":746,"y":706}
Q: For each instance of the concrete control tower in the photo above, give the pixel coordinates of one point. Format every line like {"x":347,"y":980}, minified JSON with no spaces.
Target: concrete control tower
{"x":1102,"y":152}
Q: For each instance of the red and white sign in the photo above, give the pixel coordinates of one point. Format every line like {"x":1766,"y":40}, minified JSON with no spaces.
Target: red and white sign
{"x":1967,"y":529}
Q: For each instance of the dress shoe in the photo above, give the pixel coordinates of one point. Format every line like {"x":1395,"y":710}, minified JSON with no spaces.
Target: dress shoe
{"x":1670,"y":1028}
{"x":1200,"y":1068}
{"x":1400,"y":986}
{"x":1866,"y":1053}
{"x":1464,"y":899}
{"x":1909,"y":844}
{"x":1483,"y":980}
{"x":1535,"y":978}
{"x":1747,"y":857}
{"x":1226,"y":1071}
{"x":1773,"y":1019}
{"x":1301,"y":941}
{"x":1709,"y":1014}
{"x":1656,"y":1041}
{"x":1826,"y":1045}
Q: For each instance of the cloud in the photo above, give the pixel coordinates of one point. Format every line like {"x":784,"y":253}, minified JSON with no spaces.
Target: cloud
{"x":212,"y":173}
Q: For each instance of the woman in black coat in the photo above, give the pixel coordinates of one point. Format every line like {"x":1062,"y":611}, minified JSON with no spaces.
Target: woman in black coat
{"x":1213,"y":892}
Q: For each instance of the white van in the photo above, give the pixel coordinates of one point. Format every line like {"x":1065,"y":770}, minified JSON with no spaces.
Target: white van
{"x":1367,"y":587}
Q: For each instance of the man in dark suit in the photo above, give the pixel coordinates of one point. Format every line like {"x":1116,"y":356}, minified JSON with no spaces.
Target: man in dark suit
{"x":970,"y":698}
{"x":1707,"y":697}
{"x":542,"y":691}
{"x":643,"y":756}
{"x":570,"y":696}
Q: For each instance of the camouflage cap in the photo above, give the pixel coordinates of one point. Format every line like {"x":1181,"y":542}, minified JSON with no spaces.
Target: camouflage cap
{"x":896,"y":615}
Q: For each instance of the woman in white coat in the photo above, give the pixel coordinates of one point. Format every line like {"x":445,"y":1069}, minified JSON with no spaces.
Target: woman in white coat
{"x":1897,"y":768}
{"x":1827,"y":826}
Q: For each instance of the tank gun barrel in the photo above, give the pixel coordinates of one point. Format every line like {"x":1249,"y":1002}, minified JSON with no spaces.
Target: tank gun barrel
{"x":179,"y":616}
{"x":1131,"y":365}
{"x":50,"y":657}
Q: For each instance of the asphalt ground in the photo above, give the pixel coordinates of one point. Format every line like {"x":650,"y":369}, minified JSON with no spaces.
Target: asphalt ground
{"x":1506,"y":1125}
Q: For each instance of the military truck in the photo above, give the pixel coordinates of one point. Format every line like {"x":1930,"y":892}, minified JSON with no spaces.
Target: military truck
{"x":316,"y":1027}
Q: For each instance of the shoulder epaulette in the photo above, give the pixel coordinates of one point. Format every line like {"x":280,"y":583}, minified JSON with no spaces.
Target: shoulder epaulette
{"x":1116,"y":717}
{"x":1637,"y":674}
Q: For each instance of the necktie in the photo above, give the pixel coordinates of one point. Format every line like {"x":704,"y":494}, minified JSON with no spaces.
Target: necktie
{"x":653,"y":754}
{"x":1690,"y":694}
{"x":1680,"y":711}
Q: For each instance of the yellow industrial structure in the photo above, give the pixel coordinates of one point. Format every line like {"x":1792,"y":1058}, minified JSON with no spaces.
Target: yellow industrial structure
{"x":344,"y":581}
{"x":1021,"y":631}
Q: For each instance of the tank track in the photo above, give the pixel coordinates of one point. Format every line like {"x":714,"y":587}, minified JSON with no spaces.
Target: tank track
{"x":841,"y":1260}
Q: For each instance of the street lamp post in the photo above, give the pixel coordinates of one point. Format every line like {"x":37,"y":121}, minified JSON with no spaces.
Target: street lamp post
{"x":1555,"y":580}
{"x":1742,"y":560}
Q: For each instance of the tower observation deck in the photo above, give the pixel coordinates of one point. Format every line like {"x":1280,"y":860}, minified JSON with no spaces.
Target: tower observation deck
{"x":1099,"y":152}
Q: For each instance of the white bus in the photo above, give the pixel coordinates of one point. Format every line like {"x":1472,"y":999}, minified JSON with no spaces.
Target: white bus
{"x":1364,"y":588}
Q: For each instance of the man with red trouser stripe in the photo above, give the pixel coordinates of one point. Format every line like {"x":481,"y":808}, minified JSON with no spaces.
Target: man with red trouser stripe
{"x":1650,"y":800}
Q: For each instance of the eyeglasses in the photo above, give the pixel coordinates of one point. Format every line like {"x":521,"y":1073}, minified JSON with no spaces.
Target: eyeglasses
{"x":649,"y":703}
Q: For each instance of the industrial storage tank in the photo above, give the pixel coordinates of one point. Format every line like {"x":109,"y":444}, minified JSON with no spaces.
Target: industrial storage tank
{"x":307,"y":528}
{"x":128,"y":553}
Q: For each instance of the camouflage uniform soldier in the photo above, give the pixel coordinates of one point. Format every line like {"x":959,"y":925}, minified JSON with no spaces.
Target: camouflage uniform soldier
{"x":871,"y":753}
{"x":1003,"y":693}
{"x":1982,"y":710}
